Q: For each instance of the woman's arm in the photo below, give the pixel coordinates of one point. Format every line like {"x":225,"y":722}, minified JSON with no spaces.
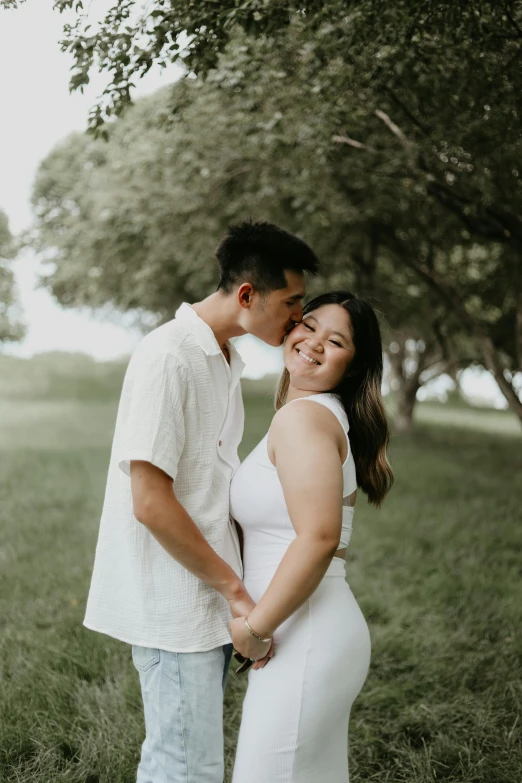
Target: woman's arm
{"x":306,"y":442}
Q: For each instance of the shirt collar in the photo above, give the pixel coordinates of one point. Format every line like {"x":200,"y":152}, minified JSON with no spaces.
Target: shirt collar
{"x":205,"y":336}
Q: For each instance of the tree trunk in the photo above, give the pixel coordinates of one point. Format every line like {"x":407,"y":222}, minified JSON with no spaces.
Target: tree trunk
{"x":494,"y":365}
{"x":403,"y":420}
{"x":518,"y":332}
{"x":408,"y":383}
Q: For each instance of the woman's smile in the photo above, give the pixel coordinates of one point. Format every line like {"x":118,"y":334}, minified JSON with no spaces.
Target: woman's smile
{"x":306,"y":356}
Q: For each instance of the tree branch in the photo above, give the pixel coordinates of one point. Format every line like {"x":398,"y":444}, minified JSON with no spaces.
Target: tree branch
{"x":513,"y":22}
{"x":396,"y":132}
{"x":407,"y":112}
{"x":352,"y":143}
{"x":498,"y":224}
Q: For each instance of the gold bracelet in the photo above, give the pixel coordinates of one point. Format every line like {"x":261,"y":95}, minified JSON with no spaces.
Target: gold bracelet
{"x":255,"y":634}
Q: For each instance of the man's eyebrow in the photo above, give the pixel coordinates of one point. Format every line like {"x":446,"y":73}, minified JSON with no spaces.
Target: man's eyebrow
{"x":296,"y":296}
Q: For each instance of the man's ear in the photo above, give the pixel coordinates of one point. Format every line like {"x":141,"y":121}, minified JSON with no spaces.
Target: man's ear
{"x":245,"y":294}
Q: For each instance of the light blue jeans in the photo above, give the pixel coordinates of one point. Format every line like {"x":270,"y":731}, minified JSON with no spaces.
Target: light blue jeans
{"x":183,"y":704}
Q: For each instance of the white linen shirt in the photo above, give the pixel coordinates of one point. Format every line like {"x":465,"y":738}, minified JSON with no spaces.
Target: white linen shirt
{"x":181,"y":410}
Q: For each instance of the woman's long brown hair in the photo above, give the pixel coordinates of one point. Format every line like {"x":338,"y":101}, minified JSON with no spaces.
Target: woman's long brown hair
{"x":360,"y":395}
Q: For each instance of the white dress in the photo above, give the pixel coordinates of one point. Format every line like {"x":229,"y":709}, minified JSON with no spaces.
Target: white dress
{"x":294,"y":726}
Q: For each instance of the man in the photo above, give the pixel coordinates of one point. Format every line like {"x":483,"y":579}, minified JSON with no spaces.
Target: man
{"x":167,"y":573}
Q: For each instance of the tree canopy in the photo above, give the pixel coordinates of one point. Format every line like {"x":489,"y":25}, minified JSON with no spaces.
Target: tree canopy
{"x":11,"y":328}
{"x":388,"y":135}
{"x":134,"y":222}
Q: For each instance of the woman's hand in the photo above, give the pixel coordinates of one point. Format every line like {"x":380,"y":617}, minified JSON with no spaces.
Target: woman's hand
{"x":262,"y":662}
{"x":245,"y":643}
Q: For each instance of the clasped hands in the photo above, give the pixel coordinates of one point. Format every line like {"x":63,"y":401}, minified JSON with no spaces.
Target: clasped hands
{"x":244,"y":643}
{"x":248,"y":646}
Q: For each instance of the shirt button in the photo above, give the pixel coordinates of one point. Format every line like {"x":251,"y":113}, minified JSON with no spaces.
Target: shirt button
{"x":220,"y":442}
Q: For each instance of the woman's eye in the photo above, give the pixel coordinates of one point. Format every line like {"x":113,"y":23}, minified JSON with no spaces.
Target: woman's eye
{"x":308,"y":326}
{"x":336,"y":343}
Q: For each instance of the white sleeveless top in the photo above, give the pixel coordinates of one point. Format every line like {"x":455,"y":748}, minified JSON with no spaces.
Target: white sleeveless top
{"x":257,"y":500}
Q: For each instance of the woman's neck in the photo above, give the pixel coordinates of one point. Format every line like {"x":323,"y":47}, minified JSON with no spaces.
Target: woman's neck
{"x":295,"y":394}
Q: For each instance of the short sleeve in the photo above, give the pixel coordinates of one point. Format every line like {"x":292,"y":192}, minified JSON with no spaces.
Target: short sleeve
{"x":153,"y":423}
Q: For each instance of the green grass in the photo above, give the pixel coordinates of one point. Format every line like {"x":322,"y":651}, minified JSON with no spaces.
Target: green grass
{"x":436,"y":572}
{"x":57,"y":375}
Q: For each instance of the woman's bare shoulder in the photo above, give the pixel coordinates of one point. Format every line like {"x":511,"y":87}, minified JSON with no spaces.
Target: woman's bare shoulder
{"x":304,"y":415}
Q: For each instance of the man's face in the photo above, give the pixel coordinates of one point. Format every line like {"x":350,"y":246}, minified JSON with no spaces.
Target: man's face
{"x":272,"y":316}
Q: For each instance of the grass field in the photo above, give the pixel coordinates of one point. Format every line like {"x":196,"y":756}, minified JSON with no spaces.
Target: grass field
{"x":436,"y":572}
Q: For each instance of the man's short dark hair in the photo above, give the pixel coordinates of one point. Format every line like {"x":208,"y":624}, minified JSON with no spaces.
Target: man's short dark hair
{"x":259,"y":253}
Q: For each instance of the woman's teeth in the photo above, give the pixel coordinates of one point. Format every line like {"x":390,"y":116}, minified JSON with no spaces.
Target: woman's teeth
{"x":308,"y":358}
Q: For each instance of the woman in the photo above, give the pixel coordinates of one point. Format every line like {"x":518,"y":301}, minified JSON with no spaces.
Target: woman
{"x":294,"y":499}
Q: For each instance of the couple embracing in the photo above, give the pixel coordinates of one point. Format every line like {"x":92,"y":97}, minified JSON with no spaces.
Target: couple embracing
{"x":199,"y":556}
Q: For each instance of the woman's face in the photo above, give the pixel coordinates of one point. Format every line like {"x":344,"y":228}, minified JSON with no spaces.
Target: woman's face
{"x":318,"y":350}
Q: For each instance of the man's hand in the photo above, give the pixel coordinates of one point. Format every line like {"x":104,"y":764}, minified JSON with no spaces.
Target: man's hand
{"x":245,"y":643}
{"x":241,"y":606}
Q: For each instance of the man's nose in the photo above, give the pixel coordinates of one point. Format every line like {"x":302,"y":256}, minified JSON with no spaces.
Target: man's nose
{"x":297,"y":314}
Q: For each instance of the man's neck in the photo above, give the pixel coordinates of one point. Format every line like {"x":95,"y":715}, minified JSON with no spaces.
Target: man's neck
{"x":219,"y":312}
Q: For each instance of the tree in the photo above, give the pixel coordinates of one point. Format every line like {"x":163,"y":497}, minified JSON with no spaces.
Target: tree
{"x":134,"y":222}
{"x":427,"y":109}
{"x":415,"y":111}
{"x":11,"y":328}
{"x":131,"y":38}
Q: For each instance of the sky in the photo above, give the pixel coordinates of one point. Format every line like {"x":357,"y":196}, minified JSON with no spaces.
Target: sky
{"x":37,"y":111}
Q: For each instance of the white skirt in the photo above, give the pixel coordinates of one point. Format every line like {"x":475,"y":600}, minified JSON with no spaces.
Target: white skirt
{"x":294,"y":727}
